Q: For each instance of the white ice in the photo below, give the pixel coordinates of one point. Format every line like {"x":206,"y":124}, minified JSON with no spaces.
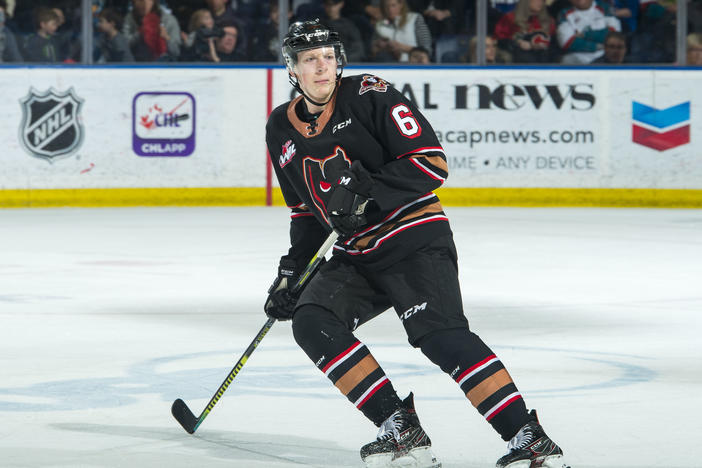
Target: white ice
{"x":108,"y":315}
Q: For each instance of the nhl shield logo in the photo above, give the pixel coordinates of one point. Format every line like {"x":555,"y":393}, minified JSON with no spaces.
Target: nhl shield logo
{"x":51,"y":123}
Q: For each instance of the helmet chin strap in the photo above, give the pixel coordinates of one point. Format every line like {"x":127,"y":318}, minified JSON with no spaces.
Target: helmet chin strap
{"x":296,"y":85}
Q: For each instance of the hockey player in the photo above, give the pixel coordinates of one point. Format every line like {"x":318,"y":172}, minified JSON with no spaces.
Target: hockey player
{"x":354,"y":155}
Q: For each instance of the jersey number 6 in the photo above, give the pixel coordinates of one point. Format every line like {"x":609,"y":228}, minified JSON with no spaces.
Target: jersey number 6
{"x":405,"y":121}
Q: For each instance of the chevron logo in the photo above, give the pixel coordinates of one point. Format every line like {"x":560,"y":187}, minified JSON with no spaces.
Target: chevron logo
{"x":661,"y":129}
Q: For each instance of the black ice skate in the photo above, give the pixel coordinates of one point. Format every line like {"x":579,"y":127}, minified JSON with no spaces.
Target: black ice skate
{"x":401,"y":442}
{"x":532,"y":448}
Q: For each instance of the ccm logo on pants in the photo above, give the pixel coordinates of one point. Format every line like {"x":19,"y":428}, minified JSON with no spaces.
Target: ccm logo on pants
{"x":412,"y":310}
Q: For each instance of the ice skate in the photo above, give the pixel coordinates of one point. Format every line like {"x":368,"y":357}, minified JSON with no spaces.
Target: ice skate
{"x":401,"y":442}
{"x":532,"y":448}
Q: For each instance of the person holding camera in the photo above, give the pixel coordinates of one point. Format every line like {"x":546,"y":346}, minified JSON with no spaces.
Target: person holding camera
{"x":216,"y":44}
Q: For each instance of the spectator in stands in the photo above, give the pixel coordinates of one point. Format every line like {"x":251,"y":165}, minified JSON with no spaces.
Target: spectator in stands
{"x":364,"y":14}
{"x":221,"y":11}
{"x":614,"y":49}
{"x":419,"y":55}
{"x":40,"y":46}
{"x":370,"y":9}
{"x":493,"y":54}
{"x":152,"y":33}
{"x":526,"y":32}
{"x":444,"y":17}
{"x":308,"y":10}
{"x":694,"y":49}
{"x":582,"y":29}
{"x":223,"y":14}
{"x":113,"y":45}
{"x":399,"y":32}
{"x":348,"y":32}
{"x":265,"y":43}
{"x":654,"y":40}
{"x":250,"y":10}
{"x":626,"y":11}
{"x":200,"y":21}
{"x":227,"y":48}
{"x":496,"y":9}
{"x":9,"y":51}
{"x":694,"y":15}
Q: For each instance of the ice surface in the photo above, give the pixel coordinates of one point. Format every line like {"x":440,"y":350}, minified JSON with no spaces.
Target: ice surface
{"x":108,"y":315}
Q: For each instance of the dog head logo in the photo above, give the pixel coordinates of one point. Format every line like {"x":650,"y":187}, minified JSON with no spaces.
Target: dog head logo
{"x":322,"y":175}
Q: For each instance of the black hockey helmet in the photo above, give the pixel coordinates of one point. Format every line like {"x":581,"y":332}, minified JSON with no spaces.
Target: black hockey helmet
{"x":306,"y":35}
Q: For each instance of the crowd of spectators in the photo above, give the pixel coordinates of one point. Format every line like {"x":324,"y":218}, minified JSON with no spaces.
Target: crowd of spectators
{"x":385,"y":31}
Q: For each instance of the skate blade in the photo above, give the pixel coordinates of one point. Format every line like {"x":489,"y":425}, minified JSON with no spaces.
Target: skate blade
{"x":421,"y":457}
{"x":552,"y":461}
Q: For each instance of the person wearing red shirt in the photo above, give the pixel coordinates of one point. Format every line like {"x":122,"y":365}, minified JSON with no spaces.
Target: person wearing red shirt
{"x":526,"y":32}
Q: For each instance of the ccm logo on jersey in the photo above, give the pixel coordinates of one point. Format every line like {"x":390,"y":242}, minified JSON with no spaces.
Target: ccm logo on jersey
{"x":288,"y":153}
{"x":412,"y":310}
{"x":341,"y":125}
{"x":344,"y":180}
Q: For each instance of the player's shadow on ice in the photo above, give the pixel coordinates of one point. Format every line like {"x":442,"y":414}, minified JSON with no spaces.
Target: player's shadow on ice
{"x":230,"y":447}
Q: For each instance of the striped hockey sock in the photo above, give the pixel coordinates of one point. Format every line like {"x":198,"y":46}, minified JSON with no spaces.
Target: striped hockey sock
{"x":481,"y":376}
{"x":346,"y":362}
{"x":357,"y":375}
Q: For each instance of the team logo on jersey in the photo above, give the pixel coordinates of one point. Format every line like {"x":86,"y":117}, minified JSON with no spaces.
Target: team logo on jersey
{"x":373,"y":83}
{"x":288,"y":152}
{"x":51,"y":123}
{"x":321,"y":175}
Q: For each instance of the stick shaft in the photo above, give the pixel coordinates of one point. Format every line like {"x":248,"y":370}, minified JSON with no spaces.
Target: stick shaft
{"x":304,"y":277}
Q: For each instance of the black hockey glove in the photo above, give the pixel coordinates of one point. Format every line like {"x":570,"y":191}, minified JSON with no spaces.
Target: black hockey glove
{"x":281,"y":301}
{"x":347,"y":205}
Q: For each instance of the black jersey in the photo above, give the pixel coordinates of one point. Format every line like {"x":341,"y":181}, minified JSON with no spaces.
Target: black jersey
{"x":370,"y":121}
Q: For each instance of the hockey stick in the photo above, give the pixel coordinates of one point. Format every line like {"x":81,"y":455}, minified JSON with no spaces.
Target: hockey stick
{"x":180,"y":410}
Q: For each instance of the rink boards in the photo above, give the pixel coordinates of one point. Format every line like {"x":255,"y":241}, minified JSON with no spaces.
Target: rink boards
{"x":129,"y":136}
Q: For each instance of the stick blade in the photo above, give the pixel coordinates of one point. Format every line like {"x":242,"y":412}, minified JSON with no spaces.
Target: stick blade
{"x":184,"y":416}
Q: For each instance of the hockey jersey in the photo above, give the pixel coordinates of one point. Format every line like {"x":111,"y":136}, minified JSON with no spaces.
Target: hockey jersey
{"x":370,"y":121}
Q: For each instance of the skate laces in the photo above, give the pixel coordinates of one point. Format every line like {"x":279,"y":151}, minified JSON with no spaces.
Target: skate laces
{"x":524,"y":437}
{"x":391,"y":426}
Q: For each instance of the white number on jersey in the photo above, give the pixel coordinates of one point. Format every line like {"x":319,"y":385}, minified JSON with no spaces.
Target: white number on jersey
{"x":405,"y":121}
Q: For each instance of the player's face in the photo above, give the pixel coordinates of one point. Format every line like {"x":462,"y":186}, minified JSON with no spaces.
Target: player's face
{"x":316,"y":72}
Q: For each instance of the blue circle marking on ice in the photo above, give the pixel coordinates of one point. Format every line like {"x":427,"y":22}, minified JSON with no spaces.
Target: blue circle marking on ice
{"x":299,"y":379}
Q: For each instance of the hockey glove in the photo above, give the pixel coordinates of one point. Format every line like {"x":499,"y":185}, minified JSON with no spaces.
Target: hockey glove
{"x":349,"y":199}
{"x":281,"y":301}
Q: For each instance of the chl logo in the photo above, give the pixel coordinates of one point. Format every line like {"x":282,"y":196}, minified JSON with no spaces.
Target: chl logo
{"x":413,"y":310}
{"x":163,"y":124}
{"x":51,"y":123}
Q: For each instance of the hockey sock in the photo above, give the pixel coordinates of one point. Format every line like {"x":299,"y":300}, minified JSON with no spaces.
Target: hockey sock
{"x":345,"y":361}
{"x":481,"y":376}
